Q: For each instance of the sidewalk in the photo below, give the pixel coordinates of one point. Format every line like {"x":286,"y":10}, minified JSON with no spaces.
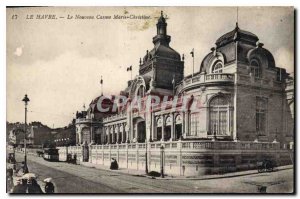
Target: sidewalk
{"x":120,"y":170}
{"x":204,"y":177}
{"x":218,"y":176}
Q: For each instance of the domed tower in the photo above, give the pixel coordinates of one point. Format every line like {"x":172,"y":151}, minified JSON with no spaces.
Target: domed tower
{"x":162,"y":63}
{"x":257,"y":93}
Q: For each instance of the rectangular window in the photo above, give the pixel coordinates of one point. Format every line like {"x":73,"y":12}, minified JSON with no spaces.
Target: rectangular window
{"x":223,"y":122}
{"x":219,"y":121}
{"x":261,"y":118}
{"x":195,"y":124}
{"x":214,"y":122}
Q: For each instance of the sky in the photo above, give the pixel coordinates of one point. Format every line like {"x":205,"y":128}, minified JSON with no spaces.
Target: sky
{"x":59,"y":62}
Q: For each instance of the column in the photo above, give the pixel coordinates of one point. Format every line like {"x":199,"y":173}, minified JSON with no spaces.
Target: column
{"x":122,"y":131}
{"x":131,"y":123}
{"x":127,"y":133}
{"x":172,"y":126}
{"x":80,"y":137}
{"x":163,"y":128}
{"x":234,"y":133}
{"x":104,"y":136}
{"x":182,"y":125}
{"x":117,"y":130}
{"x":92,"y":134}
{"x":77,"y":138}
{"x":108,"y":135}
{"x":112,"y":135}
{"x":186,"y":121}
{"x":152,"y":126}
{"x":131,"y":132}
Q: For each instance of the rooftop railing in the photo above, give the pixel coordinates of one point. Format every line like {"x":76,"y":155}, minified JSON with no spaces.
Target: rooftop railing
{"x":184,"y":145}
{"x":208,"y":78}
{"x":114,"y":117}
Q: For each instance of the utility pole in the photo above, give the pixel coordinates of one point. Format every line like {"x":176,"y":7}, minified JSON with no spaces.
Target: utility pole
{"x":146,"y":157}
{"x":193,"y":53}
{"x":101,"y":82}
{"x":25,"y":100}
{"x":162,"y":161}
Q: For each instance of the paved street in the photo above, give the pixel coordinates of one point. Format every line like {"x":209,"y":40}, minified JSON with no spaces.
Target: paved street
{"x":70,"y":178}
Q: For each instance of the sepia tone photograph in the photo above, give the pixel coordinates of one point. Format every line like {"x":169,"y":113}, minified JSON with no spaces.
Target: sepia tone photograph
{"x":150,"y":100}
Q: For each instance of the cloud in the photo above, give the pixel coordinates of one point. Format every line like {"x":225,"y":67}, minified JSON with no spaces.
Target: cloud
{"x":60,"y":87}
{"x":19,"y":51}
{"x":285,"y":59}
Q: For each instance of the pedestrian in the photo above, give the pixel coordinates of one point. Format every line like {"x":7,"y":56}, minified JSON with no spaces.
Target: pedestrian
{"x":20,"y":187}
{"x":33,"y":186}
{"x":49,"y":186}
{"x":114,"y":164}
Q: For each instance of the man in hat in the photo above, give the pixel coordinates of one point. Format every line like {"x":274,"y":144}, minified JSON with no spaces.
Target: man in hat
{"x":49,"y":187}
{"x":21,"y":186}
{"x":33,"y":186}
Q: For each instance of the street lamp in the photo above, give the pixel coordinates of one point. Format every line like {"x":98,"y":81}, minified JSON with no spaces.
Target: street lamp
{"x":146,"y":158}
{"x":25,"y":100}
{"x":162,"y":161}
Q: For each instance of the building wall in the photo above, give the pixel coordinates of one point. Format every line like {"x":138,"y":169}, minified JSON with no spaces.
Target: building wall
{"x":183,"y":158}
{"x":247,"y":90}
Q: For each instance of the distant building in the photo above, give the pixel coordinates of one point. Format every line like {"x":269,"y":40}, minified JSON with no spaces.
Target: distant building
{"x":37,"y":134}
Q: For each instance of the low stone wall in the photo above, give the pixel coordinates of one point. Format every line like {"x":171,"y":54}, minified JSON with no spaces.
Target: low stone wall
{"x":184,"y":158}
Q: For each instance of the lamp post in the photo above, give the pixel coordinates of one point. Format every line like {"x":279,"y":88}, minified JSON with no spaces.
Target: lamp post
{"x":146,"y":158}
{"x":162,"y":161}
{"x":25,"y":100}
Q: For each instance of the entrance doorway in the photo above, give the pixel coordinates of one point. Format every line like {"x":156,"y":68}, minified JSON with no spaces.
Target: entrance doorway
{"x":178,"y":131}
{"x":159,"y":133}
{"x":167,"y":132}
{"x":85,"y":152}
{"x":141,"y":130}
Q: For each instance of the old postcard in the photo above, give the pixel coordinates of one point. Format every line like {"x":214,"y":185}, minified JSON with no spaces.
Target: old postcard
{"x":150,"y":100}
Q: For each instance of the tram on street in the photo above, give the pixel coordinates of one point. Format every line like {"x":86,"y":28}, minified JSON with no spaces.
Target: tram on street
{"x":51,"y":154}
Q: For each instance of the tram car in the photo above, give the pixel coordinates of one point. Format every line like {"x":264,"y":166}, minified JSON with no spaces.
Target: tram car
{"x":51,"y":154}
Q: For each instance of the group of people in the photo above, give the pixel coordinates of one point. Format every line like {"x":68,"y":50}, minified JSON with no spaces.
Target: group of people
{"x":23,"y":181}
{"x":30,"y":185}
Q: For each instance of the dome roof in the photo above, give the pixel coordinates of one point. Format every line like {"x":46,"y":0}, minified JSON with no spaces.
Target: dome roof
{"x":107,"y":102}
{"x":205,"y":64}
{"x":246,"y":50}
{"x":237,"y":34}
{"x":162,"y":51}
{"x":263,"y":55}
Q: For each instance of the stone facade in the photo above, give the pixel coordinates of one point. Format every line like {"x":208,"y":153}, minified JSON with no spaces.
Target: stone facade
{"x":238,"y":97}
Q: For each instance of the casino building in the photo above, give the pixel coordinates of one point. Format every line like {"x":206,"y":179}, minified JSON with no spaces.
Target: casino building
{"x":244,"y":112}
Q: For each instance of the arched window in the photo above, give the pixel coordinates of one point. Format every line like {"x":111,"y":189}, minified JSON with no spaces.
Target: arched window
{"x":255,"y":68}
{"x":167,"y":130}
{"x":220,"y":116}
{"x":159,"y":126}
{"x":178,"y":127}
{"x":217,"y":67}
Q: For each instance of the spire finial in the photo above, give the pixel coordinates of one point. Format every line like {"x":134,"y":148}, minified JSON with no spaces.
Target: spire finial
{"x":101,"y":82}
{"x":237,"y":16}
